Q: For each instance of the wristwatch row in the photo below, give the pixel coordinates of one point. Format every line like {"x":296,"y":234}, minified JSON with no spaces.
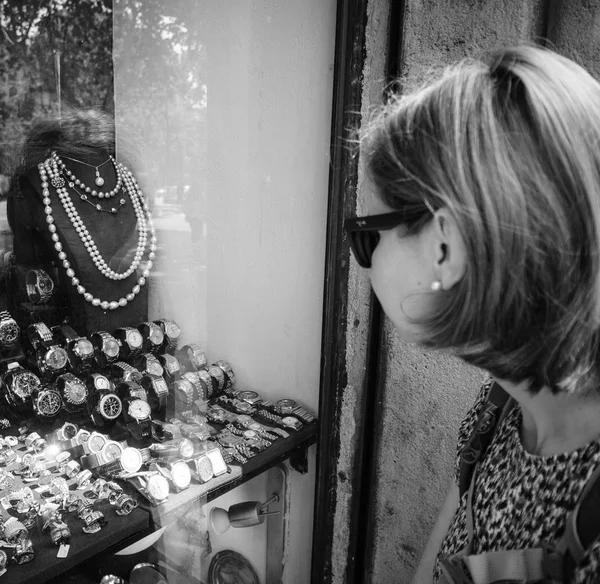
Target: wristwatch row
{"x":61,"y":346}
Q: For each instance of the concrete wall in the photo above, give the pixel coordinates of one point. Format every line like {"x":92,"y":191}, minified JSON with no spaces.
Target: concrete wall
{"x":426,"y":394}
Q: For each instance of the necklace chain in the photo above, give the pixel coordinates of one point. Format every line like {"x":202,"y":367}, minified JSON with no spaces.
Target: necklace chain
{"x":99,"y":181}
{"x":49,"y":169}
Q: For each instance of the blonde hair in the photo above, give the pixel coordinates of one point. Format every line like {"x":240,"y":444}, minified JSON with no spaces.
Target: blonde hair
{"x":509,"y":144}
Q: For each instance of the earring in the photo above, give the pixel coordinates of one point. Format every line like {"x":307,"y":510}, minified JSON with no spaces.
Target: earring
{"x":436,"y":286}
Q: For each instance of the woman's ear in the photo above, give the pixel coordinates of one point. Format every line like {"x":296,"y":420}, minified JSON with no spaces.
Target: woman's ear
{"x":448,"y":247}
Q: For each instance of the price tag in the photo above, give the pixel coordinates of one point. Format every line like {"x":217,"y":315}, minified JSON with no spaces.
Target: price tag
{"x":63,"y":551}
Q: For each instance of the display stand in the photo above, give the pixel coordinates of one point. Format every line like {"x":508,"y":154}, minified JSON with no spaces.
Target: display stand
{"x":115,"y":236}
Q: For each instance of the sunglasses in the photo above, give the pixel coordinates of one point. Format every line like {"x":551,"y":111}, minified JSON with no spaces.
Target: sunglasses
{"x":363,"y":232}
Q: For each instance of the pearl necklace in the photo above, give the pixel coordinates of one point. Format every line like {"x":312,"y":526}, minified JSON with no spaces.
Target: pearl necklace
{"x":72,"y":178}
{"x":49,"y":168}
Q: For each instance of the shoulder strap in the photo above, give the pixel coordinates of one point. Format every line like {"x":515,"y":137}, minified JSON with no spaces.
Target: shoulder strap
{"x":582,"y":530}
{"x":497,"y":404}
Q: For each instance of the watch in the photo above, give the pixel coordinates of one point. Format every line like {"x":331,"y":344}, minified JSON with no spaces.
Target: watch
{"x":131,"y":341}
{"x":203,"y":468}
{"x":157,"y":391}
{"x":192,"y":355}
{"x":178,"y":473}
{"x":184,"y":392}
{"x":110,"y":452}
{"x":73,"y":391}
{"x":122,"y":371}
{"x":209,"y":381}
{"x":96,"y":442}
{"x":98,"y":382}
{"x":80,"y":350}
{"x":171,"y":366}
{"x":107,"y":348}
{"x":200,"y":387}
{"x":67,"y":431}
{"x":9,"y":329}
{"x":52,"y":359}
{"x":136,"y":413}
{"x":104,"y":407}
{"x":218,"y":376}
{"x":153,"y":336}
{"x":39,"y":333}
{"x":229,"y":374}
{"x":148,"y":363}
{"x":133,"y":389}
{"x":39,"y":286}
{"x":20,"y":385}
{"x":182,"y":450}
{"x":171,"y":331}
{"x":155,"y":488}
{"x":47,"y":403}
{"x":270,"y":433}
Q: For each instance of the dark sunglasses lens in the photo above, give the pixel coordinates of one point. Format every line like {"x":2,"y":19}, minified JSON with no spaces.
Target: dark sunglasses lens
{"x":363,"y":245}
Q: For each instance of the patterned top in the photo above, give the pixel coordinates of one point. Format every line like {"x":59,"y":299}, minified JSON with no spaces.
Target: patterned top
{"x":521,"y":499}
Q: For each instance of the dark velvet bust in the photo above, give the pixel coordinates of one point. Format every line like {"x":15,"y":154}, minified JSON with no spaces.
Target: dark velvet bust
{"x":115,"y":236}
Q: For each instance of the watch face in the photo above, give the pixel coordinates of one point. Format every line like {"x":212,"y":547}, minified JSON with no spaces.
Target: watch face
{"x":111,"y":451}
{"x":181,"y":475}
{"x":134,"y":338}
{"x":186,"y":448}
{"x":250,"y":434}
{"x":101,"y":382}
{"x":96,"y":442}
{"x":56,"y":358}
{"x":158,"y":487}
{"x":156,"y":335}
{"x":171,"y":364}
{"x":25,"y":383}
{"x":110,"y":406}
{"x":131,"y":459}
{"x":197,"y":358}
{"x":9,"y":332}
{"x":154,"y":367}
{"x":291,"y":422}
{"x":49,"y":402}
{"x":160,"y":386}
{"x":244,"y":407}
{"x":204,"y":468}
{"x":172,"y":330}
{"x":76,"y":392}
{"x":110,"y":347}
{"x":139,"y":409}
{"x":83,"y":348}
{"x":46,"y":285}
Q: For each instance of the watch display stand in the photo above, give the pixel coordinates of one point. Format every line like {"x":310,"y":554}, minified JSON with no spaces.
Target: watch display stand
{"x":10,"y":354}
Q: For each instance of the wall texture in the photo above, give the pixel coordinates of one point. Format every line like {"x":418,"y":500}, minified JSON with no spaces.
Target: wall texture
{"x":426,"y":394}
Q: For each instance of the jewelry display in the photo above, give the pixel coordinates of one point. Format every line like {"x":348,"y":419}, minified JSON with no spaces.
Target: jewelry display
{"x":126,"y":383}
{"x":48,"y":170}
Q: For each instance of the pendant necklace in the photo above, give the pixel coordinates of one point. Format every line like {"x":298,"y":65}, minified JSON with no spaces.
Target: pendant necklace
{"x":99,"y":181}
{"x":50,"y":174}
{"x":71,"y":178}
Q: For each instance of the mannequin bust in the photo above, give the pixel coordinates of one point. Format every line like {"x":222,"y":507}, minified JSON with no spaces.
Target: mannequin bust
{"x":83,"y":141}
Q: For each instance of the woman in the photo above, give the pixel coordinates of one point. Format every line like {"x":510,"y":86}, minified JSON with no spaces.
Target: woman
{"x":486,"y":241}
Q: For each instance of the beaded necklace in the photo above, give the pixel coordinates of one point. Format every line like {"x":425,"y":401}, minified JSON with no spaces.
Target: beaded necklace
{"x":49,"y":170}
{"x":71,"y":178}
